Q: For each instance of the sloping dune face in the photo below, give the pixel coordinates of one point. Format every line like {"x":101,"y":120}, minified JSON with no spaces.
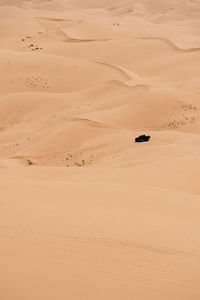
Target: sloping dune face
{"x":85,"y":212}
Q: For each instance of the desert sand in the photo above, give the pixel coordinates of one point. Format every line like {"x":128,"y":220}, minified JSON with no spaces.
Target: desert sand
{"x":85,"y":212}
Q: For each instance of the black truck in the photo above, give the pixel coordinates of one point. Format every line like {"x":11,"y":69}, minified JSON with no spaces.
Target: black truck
{"x":142,"y":138}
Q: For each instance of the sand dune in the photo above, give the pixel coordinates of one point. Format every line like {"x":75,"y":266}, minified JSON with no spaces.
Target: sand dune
{"x":87,"y":213}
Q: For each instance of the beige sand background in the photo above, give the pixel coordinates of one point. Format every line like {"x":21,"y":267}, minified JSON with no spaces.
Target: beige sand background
{"x":85,"y":213}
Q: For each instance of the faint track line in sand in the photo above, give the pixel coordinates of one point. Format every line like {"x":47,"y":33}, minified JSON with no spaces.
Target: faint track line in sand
{"x":101,"y":242}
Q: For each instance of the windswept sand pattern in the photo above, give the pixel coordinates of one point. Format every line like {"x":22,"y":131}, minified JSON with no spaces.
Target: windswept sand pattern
{"x":85,"y":212}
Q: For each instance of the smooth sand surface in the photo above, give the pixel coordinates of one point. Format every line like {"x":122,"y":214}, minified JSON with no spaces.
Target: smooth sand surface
{"x":86,"y":213}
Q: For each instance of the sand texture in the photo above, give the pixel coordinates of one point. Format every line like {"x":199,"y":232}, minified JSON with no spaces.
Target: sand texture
{"x":85,"y":212}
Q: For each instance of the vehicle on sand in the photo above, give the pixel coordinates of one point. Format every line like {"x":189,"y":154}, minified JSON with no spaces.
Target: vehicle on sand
{"x":142,"y":138}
